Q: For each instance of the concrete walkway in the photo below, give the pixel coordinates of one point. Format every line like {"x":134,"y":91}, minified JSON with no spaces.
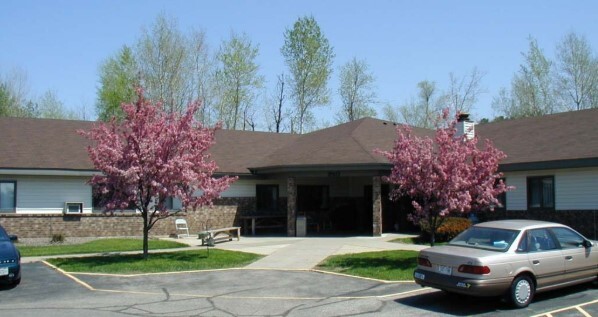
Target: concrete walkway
{"x":284,"y":253}
{"x":305,"y":253}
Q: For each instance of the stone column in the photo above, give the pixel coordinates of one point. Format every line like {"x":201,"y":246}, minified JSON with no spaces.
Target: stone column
{"x":377,"y":208}
{"x":291,"y":206}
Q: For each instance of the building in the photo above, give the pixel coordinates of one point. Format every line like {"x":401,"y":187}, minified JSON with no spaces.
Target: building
{"x":332,"y":177}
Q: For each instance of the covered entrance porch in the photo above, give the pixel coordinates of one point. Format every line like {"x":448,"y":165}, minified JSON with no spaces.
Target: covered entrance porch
{"x":337,"y":203}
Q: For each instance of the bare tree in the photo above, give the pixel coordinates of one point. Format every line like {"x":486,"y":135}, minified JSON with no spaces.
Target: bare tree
{"x":463,"y":92}
{"x":277,"y":112}
{"x":163,"y":58}
{"x":423,"y":111}
{"x":576,"y":74}
{"x":356,"y":91}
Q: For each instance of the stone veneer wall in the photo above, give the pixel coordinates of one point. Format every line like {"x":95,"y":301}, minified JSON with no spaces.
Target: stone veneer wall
{"x":583,"y":221}
{"x":224,"y":213}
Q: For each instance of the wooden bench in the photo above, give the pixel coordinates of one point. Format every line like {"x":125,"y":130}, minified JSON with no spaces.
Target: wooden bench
{"x":213,"y":233}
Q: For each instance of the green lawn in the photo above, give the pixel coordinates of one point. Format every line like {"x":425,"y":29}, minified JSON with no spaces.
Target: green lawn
{"x":385,"y":265}
{"x":415,"y":240}
{"x":157,"y":262}
{"x":97,"y":246}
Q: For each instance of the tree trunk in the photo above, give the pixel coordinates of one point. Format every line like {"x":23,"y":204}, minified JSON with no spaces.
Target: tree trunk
{"x":145,"y":236}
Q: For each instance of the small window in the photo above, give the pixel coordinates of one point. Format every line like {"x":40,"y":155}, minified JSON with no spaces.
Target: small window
{"x":266,"y":198}
{"x":540,"y":192}
{"x":8,"y":196}
{"x":540,"y":240}
{"x":568,"y":239}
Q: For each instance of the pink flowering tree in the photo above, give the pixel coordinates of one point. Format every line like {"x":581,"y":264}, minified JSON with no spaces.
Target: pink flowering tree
{"x":449,"y":174}
{"x":151,"y":156}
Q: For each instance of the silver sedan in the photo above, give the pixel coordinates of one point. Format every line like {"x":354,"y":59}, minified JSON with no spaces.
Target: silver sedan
{"x":516,"y":258}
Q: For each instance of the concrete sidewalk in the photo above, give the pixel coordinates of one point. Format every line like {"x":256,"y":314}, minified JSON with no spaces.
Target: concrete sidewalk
{"x":305,"y":253}
{"x":282,"y":253}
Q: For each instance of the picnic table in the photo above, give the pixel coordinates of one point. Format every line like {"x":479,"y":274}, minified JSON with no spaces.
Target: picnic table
{"x":262,"y":221}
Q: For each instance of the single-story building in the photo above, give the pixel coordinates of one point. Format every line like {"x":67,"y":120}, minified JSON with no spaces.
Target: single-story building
{"x":330,"y":179}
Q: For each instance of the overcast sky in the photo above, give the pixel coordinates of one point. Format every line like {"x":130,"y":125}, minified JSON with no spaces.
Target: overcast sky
{"x":60,"y":44}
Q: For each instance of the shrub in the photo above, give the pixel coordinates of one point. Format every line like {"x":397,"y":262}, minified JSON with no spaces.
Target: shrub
{"x":449,"y":229}
{"x":57,"y":238}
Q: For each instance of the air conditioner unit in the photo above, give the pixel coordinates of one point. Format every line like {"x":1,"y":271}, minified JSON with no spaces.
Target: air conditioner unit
{"x":71,"y":208}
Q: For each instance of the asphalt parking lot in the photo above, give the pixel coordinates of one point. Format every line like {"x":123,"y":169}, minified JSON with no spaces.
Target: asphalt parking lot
{"x":258,"y":293}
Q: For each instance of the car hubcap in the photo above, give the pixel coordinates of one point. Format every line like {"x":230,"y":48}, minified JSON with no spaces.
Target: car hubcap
{"x":522,"y":291}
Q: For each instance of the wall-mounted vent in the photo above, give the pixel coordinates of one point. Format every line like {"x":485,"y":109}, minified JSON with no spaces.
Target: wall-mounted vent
{"x":72,"y":208}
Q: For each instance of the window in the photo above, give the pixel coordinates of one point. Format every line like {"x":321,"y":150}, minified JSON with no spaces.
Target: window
{"x":540,"y":192}
{"x":169,"y":202}
{"x":540,"y":240}
{"x":312,"y":198}
{"x":8,"y":196}
{"x":266,"y":197}
{"x":568,"y":239}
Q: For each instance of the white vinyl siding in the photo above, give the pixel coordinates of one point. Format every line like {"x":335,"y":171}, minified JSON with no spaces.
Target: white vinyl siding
{"x":47,"y":194}
{"x":246,"y":187}
{"x":575,"y":189}
{"x":339,"y":187}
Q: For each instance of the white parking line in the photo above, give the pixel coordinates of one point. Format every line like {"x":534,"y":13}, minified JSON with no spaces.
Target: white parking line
{"x":91,"y":288}
{"x":578,"y":307}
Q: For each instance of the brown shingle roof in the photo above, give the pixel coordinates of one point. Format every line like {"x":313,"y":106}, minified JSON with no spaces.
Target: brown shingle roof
{"x":563,"y":136}
{"x":54,"y":144}
{"x":43,"y":144}
{"x":349,"y":143}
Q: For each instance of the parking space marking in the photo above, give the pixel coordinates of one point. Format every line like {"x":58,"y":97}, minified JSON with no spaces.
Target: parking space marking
{"x":91,"y":288}
{"x":578,"y":307}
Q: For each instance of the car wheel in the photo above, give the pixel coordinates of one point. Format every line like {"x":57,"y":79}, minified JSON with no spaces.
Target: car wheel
{"x":522,"y":291}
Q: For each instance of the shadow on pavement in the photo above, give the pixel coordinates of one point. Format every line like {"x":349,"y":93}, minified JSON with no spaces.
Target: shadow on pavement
{"x":461,"y":305}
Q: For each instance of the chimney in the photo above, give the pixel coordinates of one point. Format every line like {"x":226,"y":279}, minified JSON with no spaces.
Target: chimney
{"x":465,"y":126}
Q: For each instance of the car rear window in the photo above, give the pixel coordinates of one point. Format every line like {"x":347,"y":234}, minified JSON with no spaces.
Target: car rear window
{"x":486,"y":238}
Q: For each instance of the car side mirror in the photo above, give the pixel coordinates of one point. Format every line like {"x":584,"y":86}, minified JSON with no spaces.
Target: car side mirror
{"x":587,"y":244}
{"x":13,"y":238}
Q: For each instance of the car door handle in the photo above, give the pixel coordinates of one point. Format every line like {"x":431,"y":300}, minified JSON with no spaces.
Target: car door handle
{"x":536,"y":261}
{"x":569,"y":258}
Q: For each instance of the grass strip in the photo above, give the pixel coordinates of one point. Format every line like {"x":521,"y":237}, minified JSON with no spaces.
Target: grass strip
{"x":397,"y":265}
{"x":97,"y":246}
{"x":157,"y":262}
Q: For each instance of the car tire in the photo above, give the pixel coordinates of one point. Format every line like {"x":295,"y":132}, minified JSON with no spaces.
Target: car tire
{"x":16,"y":282}
{"x":522,"y":291}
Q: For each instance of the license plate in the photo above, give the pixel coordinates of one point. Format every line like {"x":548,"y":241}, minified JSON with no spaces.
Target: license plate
{"x":3,"y":271}
{"x":446,"y":270}
{"x":420,"y":276}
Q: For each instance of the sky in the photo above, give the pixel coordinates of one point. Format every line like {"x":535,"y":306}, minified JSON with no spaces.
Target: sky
{"x":61,"y":44}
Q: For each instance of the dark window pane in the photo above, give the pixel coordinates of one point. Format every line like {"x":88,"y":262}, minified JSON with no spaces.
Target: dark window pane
{"x":266,"y":197}
{"x":547,"y":193}
{"x":540,"y":192}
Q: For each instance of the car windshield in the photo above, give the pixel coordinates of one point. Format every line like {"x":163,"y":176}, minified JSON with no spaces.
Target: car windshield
{"x":486,"y":238}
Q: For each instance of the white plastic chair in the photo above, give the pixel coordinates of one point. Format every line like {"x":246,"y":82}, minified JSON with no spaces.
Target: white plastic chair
{"x":181,"y":225}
